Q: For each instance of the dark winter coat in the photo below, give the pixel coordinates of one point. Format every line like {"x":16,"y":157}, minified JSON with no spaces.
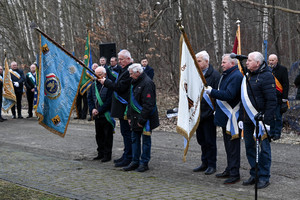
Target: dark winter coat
{"x":121,"y":86}
{"x":281,"y":73}
{"x":143,"y":90}
{"x":149,"y":71}
{"x":229,"y":91}
{"x":212,"y":78}
{"x":264,"y":91}
{"x":20,"y":81}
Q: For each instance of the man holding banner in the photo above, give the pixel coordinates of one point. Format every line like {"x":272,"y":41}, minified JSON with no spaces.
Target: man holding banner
{"x":226,"y":116}
{"x":259,"y":96}
{"x":206,"y":132}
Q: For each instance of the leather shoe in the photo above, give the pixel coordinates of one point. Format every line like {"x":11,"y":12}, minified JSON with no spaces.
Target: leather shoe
{"x":123,"y":163}
{"x":20,"y":117}
{"x":262,"y":184}
{"x":118,"y":160}
{"x":201,"y":168}
{"x":276,"y":137}
{"x":131,"y":166}
{"x":99,"y":157}
{"x":1,"y":120}
{"x":14,"y":116}
{"x":250,"y":181}
{"x":76,"y":117}
{"x":210,"y":170}
{"x":224,"y":174}
{"x":232,"y":180}
{"x":106,"y":159}
{"x":142,"y":168}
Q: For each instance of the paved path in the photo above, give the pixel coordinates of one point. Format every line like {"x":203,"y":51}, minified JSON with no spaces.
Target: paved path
{"x":32,"y":156}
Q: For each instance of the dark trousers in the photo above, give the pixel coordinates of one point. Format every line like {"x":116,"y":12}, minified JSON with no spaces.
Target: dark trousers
{"x":233,"y":153}
{"x":19,"y":104}
{"x":141,"y":155}
{"x":104,"y":137}
{"x":206,"y":137}
{"x":126,"y":133}
{"x":30,"y":97}
{"x":82,"y":109}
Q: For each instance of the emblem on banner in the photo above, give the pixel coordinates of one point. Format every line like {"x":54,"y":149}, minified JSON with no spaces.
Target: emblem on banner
{"x":45,"y":49}
{"x":52,"y":86}
{"x":56,"y":120}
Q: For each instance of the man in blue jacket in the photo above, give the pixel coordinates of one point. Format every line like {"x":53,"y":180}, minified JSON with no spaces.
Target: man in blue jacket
{"x":261,"y":98}
{"x":227,"y":108}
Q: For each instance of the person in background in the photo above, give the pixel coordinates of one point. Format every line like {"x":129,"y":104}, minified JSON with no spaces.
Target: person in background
{"x":147,"y":69}
{"x":30,"y":82}
{"x":206,"y":132}
{"x":282,"y":89}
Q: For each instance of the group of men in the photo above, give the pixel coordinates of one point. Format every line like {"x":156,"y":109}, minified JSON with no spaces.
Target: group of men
{"x":126,"y":92}
{"x":19,"y":80}
{"x":240,"y":100}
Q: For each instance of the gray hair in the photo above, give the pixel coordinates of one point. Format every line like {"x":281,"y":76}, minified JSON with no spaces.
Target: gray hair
{"x":203,"y":54}
{"x":136,"y":67}
{"x":257,"y":56}
{"x":234,"y":60}
{"x":102,"y":69}
{"x":125,"y":53}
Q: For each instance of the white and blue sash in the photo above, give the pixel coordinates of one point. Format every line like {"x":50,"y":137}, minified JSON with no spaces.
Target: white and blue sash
{"x":16,"y":74}
{"x":232,"y":114}
{"x":208,"y":100}
{"x":249,"y":108}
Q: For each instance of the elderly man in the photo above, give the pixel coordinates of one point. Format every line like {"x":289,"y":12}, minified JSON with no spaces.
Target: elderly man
{"x":282,"y":89}
{"x":1,"y":86}
{"x":121,"y":87}
{"x":206,"y":132}
{"x":258,"y":97}
{"x":228,"y":100}
{"x":143,"y":117}
{"x":17,"y":77}
{"x":30,"y":83}
{"x":99,"y":100}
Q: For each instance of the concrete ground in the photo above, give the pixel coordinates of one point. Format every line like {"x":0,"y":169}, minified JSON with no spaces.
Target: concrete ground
{"x":32,"y":156}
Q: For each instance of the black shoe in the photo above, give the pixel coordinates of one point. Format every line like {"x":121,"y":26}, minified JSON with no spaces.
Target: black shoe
{"x":20,"y":117}
{"x":250,"y":181}
{"x":142,"y":168}
{"x":14,"y":116}
{"x":99,"y":157}
{"x":131,"y":166}
{"x":76,"y":117}
{"x":201,"y":168}
{"x":276,"y":137}
{"x":224,"y":174}
{"x":83,"y":117}
{"x":210,"y":170}
{"x":262,"y":184}
{"x":118,"y":160}
{"x":1,"y":120}
{"x":232,"y":180}
{"x":106,"y":159}
{"x":123,"y":163}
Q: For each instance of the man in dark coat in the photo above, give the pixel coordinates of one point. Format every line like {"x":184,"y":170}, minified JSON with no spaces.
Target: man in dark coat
{"x":282,"y":89}
{"x":17,"y":77}
{"x":121,"y":87}
{"x":147,"y":69}
{"x":99,"y":100}
{"x":143,"y":117}
{"x":206,"y":132}
{"x":261,"y":98}
{"x":228,"y":99}
{"x":30,"y":82}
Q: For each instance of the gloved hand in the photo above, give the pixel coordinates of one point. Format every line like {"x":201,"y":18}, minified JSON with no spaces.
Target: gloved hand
{"x":267,"y":127}
{"x":208,"y":89}
{"x":16,"y":84}
{"x":241,"y":124}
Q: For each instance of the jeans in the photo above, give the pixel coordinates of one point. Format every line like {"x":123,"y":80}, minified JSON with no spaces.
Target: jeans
{"x":136,"y":148}
{"x":264,"y":155}
{"x":276,"y":124}
{"x":126,"y":133}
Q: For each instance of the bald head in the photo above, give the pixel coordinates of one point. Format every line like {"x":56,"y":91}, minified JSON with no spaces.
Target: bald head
{"x":1,"y":69}
{"x":14,"y":65}
{"x":273,"y":60}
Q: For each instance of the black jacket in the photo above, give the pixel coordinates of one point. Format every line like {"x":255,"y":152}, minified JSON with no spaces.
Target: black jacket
{"x":263,"y":86}
{"x":121,"y":86}
{"x":281,"y":73}
{"x":144,"y":93}
{"x":212,"y":78}
{"x":106,"y":96}
{"x":297,"y":83}
{"x":149,"y":71}
{"x":28,"y":83}
{"x":19,"y":80}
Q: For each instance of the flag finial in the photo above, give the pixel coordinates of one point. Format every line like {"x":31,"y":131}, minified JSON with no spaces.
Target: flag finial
{"x":238,"y":22}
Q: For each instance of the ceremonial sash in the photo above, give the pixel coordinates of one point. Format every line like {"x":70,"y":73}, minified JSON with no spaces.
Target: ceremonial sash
{"x":118,"y":97}
{"x":1,"y":78}
{"x":31,"y":77}
{"x":249,"y":108}
{"x":113,"y":73}
{"x":278,"y":85}
{"x":107,"y":113}
{"x":138,"y":108}
{"x":208,"y":101}
{"x":16,"y":74}
{"x":232,"y":114}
